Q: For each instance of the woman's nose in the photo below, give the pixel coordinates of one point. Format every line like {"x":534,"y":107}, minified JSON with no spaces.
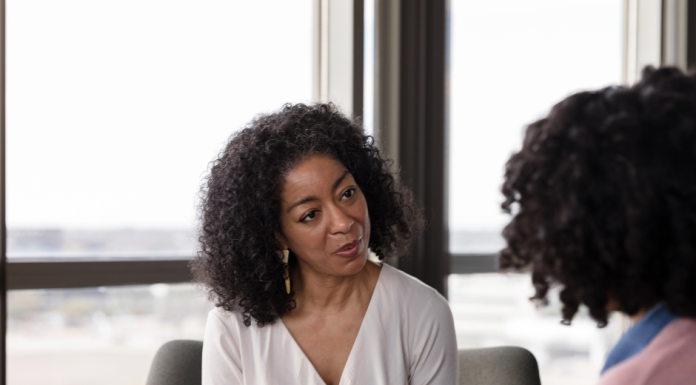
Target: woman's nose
{"x":340,"y":221}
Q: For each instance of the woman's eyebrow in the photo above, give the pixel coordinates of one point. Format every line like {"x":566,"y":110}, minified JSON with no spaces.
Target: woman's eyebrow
{"x":310,"y":199}
{"x":306,"y":200}
{"x":339,"y":180}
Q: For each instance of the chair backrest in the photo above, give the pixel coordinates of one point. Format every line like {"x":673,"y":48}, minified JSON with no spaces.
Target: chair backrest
{"x":177,"y":362}
{"x":505,"y":365}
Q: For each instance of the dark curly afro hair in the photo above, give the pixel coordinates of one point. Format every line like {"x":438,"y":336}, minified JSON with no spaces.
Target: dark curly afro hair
{"x":239,"y":213}
{"x":603,"y":194}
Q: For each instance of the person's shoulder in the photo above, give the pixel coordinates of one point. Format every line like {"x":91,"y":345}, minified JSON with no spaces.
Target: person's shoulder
{"x":673,"y":353}
{"x":396,"y":279}
{"x":221,"y":318}
{"x":670,"y":358}
{"x":407,"y":289}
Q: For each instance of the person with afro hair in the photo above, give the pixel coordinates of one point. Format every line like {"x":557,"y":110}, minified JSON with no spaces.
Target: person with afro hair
{"x":603,"y":203}
{"x":290,"y":211}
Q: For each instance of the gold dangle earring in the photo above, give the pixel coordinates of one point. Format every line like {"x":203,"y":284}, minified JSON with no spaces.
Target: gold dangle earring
{"x":286,"y":270}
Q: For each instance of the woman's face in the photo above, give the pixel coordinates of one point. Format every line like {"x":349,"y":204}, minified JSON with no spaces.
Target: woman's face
{"x":324,"y":217}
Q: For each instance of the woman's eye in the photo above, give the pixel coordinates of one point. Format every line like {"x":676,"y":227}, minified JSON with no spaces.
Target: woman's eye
{"x":349,"y":193}
{"x":311,"y":215}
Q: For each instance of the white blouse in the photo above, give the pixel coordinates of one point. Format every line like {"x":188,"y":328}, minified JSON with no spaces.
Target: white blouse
{"x":406,"y":337}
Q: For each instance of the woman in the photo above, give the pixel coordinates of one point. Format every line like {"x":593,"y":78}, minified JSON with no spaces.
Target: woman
{"x":290,"y":211}
{"x":604,"y":200}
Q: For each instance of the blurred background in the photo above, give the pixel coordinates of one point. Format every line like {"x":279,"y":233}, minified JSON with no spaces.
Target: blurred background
{"x":114,"y":110}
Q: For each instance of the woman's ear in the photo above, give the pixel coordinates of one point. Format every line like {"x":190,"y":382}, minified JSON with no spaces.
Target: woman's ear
{"x":281,"y":239}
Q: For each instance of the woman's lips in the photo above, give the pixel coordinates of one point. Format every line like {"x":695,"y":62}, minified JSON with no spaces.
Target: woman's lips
{"x":350,"y":250}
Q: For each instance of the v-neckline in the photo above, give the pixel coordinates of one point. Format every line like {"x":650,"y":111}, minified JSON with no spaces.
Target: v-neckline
{"x":357,"y":337}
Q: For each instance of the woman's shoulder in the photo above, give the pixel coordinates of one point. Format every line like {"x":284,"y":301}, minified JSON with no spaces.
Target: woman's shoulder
{"x":407,"y":291}
{"x":403,"y":283}
{"x":670,"y":358}
{"x":219,"y":317}
{"x":422,"y":324}
{"x":232,"y":321}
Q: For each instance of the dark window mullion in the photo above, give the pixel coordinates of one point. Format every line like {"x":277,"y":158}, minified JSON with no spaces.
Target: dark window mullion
{"x":74,"y":274}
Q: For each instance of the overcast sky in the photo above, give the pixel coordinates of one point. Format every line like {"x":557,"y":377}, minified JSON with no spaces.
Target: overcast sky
{"x":511,"y":61}
{"x":115,"y":108}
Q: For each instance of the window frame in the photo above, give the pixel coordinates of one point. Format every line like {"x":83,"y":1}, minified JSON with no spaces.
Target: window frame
{"x":64,"y":273}
{"x":656,"y":32}
{"x":332,"y":41}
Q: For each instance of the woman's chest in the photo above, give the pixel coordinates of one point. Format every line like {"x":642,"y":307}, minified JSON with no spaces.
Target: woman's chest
{"x":326,"y":342}
{"x":379,"y":355}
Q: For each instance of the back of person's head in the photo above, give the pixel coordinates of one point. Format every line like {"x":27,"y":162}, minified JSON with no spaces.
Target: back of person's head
{"x":603,"y":197}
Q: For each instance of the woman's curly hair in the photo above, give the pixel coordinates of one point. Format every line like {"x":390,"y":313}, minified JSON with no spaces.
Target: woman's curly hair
{"x":603,"y":194}
{"x":239,"y":213}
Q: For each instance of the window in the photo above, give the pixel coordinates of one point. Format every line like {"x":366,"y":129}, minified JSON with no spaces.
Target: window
{"x":114,"y":110}
{"x":510,"y":62}
{"x":492,"y":309}
{"x":105,"y":335}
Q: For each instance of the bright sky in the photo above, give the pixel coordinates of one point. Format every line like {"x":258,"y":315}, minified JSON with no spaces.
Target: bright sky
{"x":511,"y":60}
{"x":115,"y":107}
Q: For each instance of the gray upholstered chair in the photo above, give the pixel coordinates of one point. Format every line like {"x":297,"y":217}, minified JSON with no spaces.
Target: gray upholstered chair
{"x":179,"y":363}
{"x":505,"y":365}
